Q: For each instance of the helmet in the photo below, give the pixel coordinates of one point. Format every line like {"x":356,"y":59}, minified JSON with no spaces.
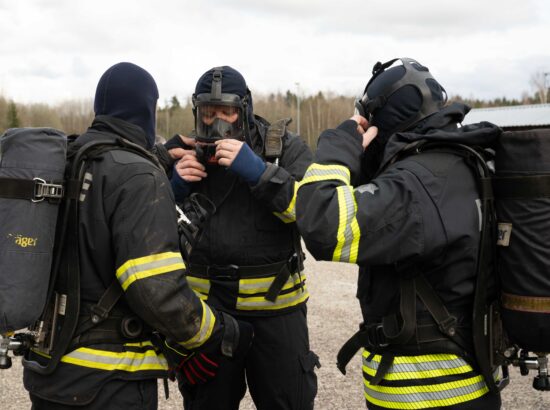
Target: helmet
{"x":221,"y":105}
{"x":398,"y":97}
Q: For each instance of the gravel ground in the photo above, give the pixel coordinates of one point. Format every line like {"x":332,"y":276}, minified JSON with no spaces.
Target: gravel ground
{"x":333,"y":317}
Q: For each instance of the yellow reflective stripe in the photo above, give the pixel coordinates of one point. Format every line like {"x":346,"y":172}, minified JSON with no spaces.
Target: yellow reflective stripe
{"x":426,"y":396}
{"x":418,"y":367}
{"x":319,"y":172}
{"x":419,"y":374}
{"x":289,"y":214}
{"x":261,"y":285}
{"x":205,"y":331}
{"x":147,"y":266}
{"x":282,"y":301}
{"x":198,"y":284}
{"x":201,"y":296}
{"x":347,"y":237}
{"x":415,"y":359}
{"x":125,"y":361}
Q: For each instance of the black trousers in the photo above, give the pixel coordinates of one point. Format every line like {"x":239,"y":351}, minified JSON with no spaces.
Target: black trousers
{"x":278,"y":369}
{"x":116,"y":394}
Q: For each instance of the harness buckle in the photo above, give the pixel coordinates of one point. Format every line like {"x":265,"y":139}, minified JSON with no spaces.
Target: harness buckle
{"x":43,"y":190}
{"x":292,"y":264}
{"x":229,"y":272}
{"x":373,"y":336}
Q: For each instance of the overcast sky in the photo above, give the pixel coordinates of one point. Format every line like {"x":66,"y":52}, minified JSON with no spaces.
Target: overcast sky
{"x":52,"y":50}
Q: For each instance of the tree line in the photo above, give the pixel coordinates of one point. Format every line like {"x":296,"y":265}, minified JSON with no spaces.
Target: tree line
{"x":317,"y":112}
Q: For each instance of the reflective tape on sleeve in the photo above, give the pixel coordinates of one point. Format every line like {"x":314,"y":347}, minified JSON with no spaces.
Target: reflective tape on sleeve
{"x":319,"y":172}
{"x":347,"y":245}
{"x":205,"y":331}
{"x":127,"y":361}
{"x":146,"y":266}
{"x":289,"y":214}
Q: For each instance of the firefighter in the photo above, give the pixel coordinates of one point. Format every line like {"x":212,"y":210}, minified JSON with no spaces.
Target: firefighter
{"x":131,"y":271}
{"x":410,"y":220}
{"x":248,"y":261}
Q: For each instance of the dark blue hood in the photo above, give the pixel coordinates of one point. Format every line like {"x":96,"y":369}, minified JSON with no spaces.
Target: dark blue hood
{"x":128,"y":92}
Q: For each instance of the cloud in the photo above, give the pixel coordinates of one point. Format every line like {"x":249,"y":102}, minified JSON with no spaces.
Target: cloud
{"x":58,"y":49}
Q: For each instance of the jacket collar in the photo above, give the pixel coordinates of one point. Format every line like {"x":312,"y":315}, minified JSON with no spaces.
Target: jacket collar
{"x":443,"y":127}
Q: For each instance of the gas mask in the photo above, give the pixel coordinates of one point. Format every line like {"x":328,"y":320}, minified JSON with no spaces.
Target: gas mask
{"x":218,"y":116}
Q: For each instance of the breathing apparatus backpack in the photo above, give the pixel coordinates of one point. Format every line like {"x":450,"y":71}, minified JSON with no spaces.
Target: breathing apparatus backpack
{"x":42,"y":176}
{"x":522,"y":192}
{"x":511,"y":313}
{"x":32,"y":167}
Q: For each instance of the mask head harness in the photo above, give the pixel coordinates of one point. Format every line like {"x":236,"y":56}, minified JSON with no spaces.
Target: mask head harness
{"x":433,"y":95}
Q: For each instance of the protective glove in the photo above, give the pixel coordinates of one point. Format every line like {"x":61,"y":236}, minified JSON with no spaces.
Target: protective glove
{"x":175,"y":142}
{"x":248,"y":165}
{"x":199,"y":366}
{"x":165,"y":160}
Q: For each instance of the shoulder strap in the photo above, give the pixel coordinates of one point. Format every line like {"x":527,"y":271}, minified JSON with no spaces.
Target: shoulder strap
{"x":274,"y":139}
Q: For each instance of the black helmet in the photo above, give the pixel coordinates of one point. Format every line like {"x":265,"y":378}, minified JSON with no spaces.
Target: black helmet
{"x":396,"y":98}
{"x":221,"y":90}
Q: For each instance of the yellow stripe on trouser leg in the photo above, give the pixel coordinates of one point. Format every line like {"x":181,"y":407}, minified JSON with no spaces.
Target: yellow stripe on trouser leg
{"x":430,"y":394}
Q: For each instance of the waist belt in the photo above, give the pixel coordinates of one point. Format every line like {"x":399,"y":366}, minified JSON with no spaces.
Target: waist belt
{"x":121,"y":326}
{"x":372,"y":337}
{"x":280,"y":270}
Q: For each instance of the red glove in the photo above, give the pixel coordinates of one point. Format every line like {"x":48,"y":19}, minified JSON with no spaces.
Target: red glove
{"x":198,"y":368}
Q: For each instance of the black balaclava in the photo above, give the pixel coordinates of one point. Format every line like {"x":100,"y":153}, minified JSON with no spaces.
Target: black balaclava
{"x":232,"y":83}
{"x":128,"y":92}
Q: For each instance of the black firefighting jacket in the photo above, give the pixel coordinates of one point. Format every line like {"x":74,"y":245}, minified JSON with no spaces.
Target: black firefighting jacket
{"x":420,"y":214}
{"x":127,"y":232}
{"x":419,"y":217}
{"x":252,"y":227}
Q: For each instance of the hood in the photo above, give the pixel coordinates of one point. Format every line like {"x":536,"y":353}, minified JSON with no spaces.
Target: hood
{"x":128,"y":92}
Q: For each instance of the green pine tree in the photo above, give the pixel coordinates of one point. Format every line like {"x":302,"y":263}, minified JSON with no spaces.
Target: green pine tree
{"x":13,"y":119}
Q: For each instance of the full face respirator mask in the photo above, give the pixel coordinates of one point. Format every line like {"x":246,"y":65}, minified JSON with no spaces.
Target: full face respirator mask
{"x":217,"y":116}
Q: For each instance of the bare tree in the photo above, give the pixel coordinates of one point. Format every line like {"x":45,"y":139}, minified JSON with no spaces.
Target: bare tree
{"x":539,"y":83}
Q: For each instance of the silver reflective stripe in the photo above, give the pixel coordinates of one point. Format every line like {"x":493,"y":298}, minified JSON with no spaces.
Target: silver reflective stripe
{"x":206,"y":326}
{"x":350,"y":214}
{"x":107,"y":360}
{"x":409,"y":396}
{"x":262,"y":284}
{"x":260,"y":302}
{"x":85,"y":186}
{"x":420,"y":366}
{"x":148,"y":266}
{"x":198,"y":284}
{"x":315,"y":172}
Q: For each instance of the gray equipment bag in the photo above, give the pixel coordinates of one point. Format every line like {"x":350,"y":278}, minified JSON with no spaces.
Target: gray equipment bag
{"x":32,"y":167}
